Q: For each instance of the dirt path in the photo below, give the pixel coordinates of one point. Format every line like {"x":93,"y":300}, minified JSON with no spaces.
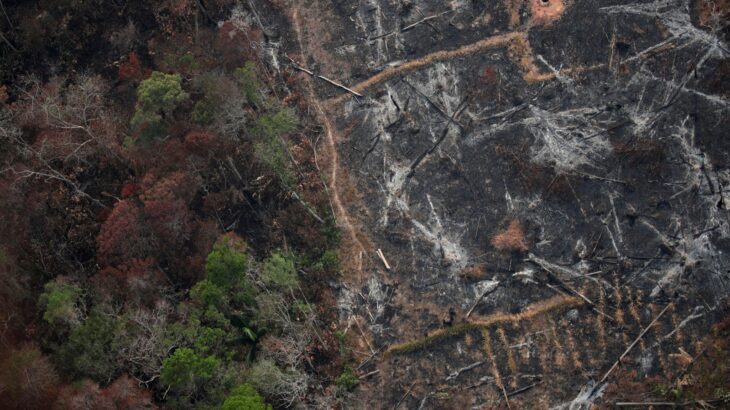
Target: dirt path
{"x":353,"y":248}
{"x":442,"y":55}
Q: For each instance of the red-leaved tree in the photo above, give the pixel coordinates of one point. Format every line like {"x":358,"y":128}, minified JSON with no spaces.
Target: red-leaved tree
{"x":122,"y":236}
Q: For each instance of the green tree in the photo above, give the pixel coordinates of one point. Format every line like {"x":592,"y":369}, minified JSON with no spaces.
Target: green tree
{"x":210,"y":340}
{"x":226,"y":265}
{"x":157,"y":97}
{"x":245,"y":397}
{"x":270,"y":148}
{"x":59,"y":302}
{"x":249,"y":83}
{"x":207,"y":293}
{"x":185,"y":368}
{"x":160,"y":93}
{"x":277,"y":124}
{"x":91,"y":349}
{"x":279,"y":271}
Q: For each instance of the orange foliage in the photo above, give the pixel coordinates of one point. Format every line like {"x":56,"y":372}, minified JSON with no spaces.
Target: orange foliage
{"x":176,"y":185}
{"x":129,"y":189}
{"x":511,"y":239}
{"x":121,"y":236}
{"x":200,"y":143}
{"x":131,"y":69}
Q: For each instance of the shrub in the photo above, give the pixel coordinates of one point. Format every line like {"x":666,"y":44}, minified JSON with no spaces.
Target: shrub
{"x":347,"y":380}
{"x":131,"y":69}
{"x":203,"y":112}
{"x":245,"y":397}
{"x":329,"y":261}
{"x":282,"y":122}
{"x":279,"y":272}
{"x":302,"y":309}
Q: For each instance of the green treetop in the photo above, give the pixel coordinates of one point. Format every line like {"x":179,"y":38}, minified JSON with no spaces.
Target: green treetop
{"x":59,"y":302}
{"x":279,"y":271}
{"x":156,"y":96}
{"x":160,"y":93}
{"x":245,"y":397}
{"x":185,"y":367}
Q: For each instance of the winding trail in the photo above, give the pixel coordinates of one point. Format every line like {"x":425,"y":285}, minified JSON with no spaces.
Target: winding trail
{"x":342,"y":216}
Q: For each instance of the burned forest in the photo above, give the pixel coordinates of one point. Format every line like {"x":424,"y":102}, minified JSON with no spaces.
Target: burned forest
{"x":364,"y":204}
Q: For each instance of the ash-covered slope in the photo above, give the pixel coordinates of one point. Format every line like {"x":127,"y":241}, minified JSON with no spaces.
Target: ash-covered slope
{"x":566,"y":160}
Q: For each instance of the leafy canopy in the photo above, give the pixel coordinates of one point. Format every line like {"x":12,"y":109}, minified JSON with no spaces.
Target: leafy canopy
{"x":59,"y":302}
{"x":279,"y":271}
{"x":186,"y":366}
{"x":226,"y":263}
{"x":157,"y":96}
{"x":206,"y":293}
{"x":245,"y":397}
{"x":249,"y":83}
{"x":270,"y":148}
{"x":160,"y":93}
{"x":90,"y":350}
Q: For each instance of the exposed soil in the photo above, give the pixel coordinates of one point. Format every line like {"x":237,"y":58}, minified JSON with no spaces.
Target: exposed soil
{"x":590,"y":137}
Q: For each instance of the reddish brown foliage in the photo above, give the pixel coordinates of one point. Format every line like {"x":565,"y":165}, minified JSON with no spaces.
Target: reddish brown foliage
{"x":3,"y":94}
{"x":200,"y":143}
{"x":474,"y":272}
{"x":714,"y":12}
{"x":122,"y":237}
{"x":511,"y":239}
{"x":123,"y":394}
{"x":237,"y":45}
{"x":162,"y":156}
{"x":129,"y":189}
{"x":131,"y":69}
{"x":177,"y":185}
{"x":137,"y":281}
{"x":27,"y":379}
{"x":170,"y":221}
{"x":126,"y":394}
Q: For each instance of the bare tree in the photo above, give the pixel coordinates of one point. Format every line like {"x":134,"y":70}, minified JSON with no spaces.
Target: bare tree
{"x":147,"y":335}
{"x":74,"y":123}
{"x":283,"y":387}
